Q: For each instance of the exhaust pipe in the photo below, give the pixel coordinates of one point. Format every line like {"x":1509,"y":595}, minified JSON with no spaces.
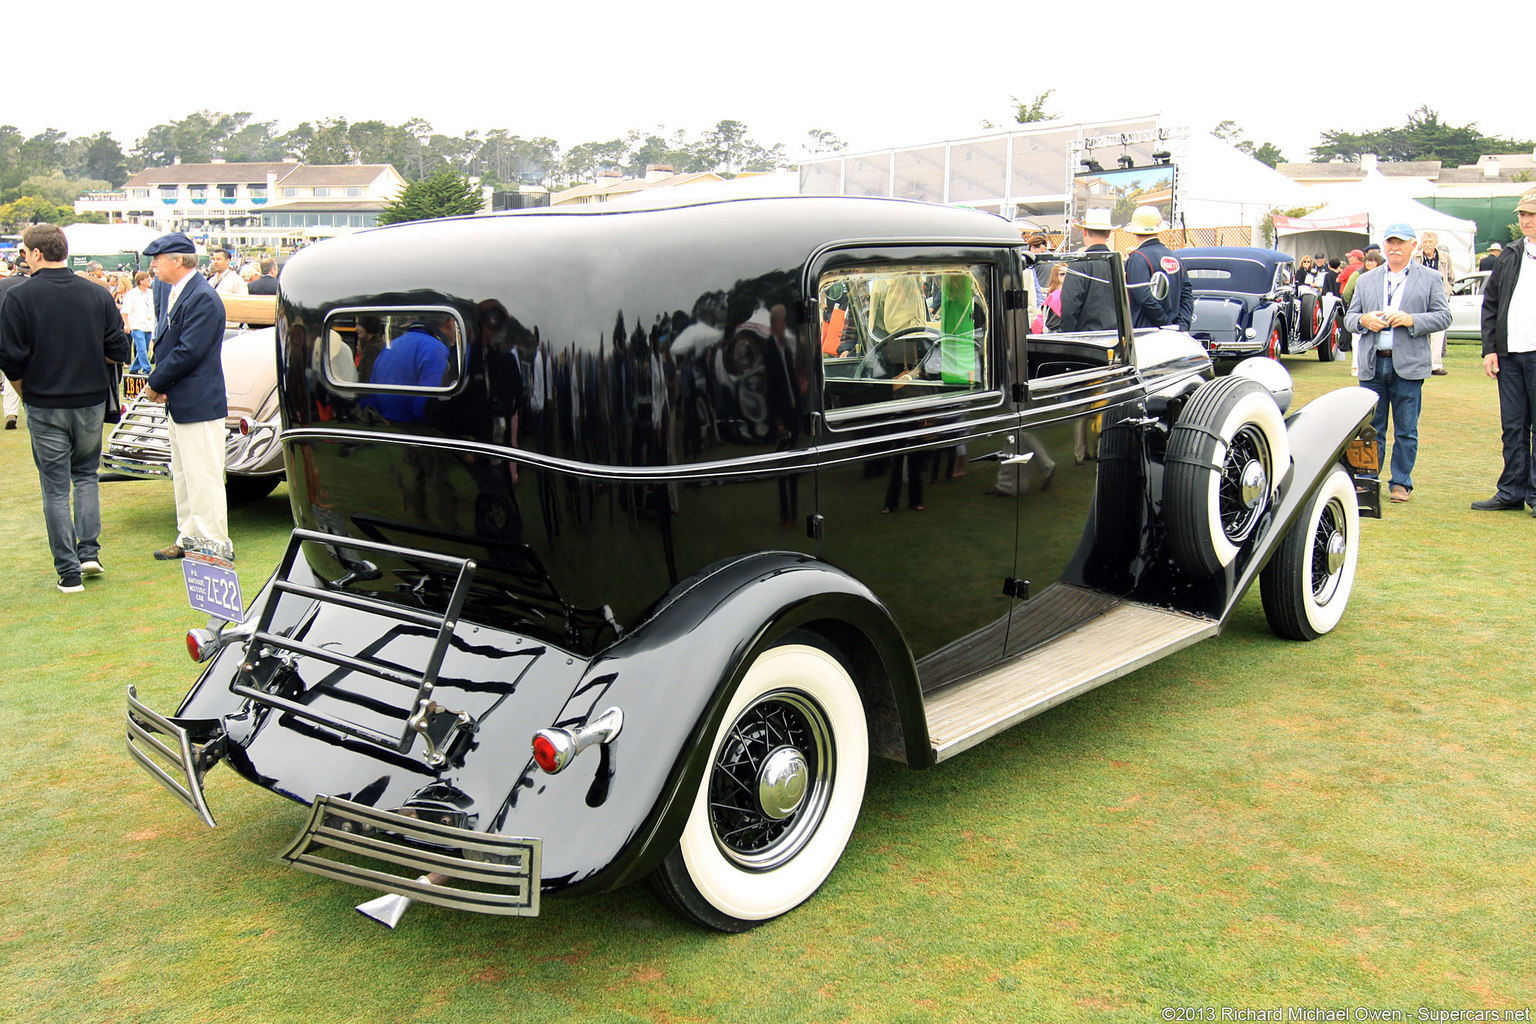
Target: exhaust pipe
{"x":388,"y":909}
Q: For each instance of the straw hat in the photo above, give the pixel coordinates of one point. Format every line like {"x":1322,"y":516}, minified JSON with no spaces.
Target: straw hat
{"x":1147,"y":220}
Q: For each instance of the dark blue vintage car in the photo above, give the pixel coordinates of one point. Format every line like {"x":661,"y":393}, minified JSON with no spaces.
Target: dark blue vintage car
{"x":1248,"y":302}
{"x":623,"y":539}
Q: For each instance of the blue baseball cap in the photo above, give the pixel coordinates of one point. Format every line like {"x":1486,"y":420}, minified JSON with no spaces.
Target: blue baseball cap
{"x":171,"y":243}
{"x":1402,"y":229}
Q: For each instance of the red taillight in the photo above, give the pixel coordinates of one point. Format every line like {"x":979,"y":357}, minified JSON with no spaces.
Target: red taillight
{"x":545,"y":755}
{"x":194,"y":646}
{"x":245,"y":426}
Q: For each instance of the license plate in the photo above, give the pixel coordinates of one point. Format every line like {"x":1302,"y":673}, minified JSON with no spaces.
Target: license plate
{"x":212,"y":586}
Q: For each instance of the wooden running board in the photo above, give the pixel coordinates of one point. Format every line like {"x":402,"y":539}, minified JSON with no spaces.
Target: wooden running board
{"x":1123,"y":639}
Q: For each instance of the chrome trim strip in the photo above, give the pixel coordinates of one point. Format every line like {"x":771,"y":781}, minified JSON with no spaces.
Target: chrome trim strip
{"x":145,"y":729}
{"x":1041,"y":386}
{"x":797,"y":461}
{"x":512,"y":863}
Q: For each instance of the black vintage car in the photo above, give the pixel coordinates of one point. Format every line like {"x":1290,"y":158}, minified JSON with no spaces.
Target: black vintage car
{"x":624,"y":539}
{"x":1248,"y":302}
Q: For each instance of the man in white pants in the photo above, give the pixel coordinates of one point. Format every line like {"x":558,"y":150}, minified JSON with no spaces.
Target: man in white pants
{"x":189,"y":378}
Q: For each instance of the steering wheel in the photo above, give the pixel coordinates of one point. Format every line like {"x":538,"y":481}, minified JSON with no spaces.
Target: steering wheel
{"x":877,"y":366}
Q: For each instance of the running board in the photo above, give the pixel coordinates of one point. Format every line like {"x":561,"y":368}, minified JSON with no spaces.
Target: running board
{"x":1120,"y":641}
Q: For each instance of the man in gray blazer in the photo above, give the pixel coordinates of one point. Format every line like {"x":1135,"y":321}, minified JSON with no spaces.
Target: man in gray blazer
{"x":1396,"y":308}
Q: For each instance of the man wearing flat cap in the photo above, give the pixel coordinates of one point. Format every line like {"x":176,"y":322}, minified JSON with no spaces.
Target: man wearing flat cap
{"x":1396,"y":307}
{"x":189,"y":378}
{"x":1509,"y":357}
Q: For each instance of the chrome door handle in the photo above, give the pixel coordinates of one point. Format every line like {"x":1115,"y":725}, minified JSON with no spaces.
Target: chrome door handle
{"x":1018,"y":460}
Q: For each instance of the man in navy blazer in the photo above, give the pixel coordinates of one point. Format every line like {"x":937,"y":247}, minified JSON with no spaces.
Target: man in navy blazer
{"x":1396,"y":308}
{"x":189,"y":378}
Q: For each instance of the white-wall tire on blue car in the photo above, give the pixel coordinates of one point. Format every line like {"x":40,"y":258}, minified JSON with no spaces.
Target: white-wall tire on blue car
{"x":780,"y":797}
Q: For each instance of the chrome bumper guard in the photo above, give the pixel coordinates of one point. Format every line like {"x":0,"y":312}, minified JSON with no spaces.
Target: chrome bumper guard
{"x":151,"y":736}
{"x":509,"y":864}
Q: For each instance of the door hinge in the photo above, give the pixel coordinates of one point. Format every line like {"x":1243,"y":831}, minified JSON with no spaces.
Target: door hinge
{"x":1016,"y":588}
{"x":1018,"y":392}
{"x":1013,"y":298}
{"x":806,"y":311}
{"x":813,"y":525}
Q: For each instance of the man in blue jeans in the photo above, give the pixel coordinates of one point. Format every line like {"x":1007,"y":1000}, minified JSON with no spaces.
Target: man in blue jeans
{"x":58,"y":332}
{"x":1509,"y":357}
{"x":1395,"y":309}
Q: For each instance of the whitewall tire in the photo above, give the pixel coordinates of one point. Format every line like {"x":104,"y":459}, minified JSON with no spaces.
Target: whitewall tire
{"x":780,"y":795}
{"x":1306,"y":585}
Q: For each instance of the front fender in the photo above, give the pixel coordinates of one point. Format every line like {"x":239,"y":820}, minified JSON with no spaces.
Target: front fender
{"x":1332,"y":309}
{"x":674,"y":676}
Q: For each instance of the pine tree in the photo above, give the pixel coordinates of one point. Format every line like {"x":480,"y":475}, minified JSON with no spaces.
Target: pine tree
{"x":444,"y":194}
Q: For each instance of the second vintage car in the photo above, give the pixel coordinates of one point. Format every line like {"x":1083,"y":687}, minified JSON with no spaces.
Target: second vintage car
{"x":140,"y":443}
{"x":1248,"y":302}
{"x":624,"y":539}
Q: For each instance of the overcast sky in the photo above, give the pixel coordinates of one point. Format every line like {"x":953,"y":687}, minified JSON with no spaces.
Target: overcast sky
{"x":874,"y":74}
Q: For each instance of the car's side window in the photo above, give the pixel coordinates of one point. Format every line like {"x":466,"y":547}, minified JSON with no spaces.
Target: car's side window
{"x":1074,"y":312}
{"x":903,"y":333}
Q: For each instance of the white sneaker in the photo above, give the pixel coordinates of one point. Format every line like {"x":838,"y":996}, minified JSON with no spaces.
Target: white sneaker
{"x":91,"y":567}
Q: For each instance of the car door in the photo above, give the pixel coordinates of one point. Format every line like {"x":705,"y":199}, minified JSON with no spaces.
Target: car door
{"x":1078,"y":479}
{"x":917,"y":419}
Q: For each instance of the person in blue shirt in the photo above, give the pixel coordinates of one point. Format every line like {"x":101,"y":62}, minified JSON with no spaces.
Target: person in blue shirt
{"x":417,"y":358}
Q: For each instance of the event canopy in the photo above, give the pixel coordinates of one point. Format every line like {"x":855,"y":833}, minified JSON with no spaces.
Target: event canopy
{"x":1361,"y":214}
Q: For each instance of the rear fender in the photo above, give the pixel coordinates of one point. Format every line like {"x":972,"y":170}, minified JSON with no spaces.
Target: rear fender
{"x":1263,"y":323}
{"x":674,"y":676}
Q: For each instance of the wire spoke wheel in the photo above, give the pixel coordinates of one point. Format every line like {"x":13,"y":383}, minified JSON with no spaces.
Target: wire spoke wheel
{"x":1245,"y":475}
{"x":771,"y":781}
{"x":1329,"y":542}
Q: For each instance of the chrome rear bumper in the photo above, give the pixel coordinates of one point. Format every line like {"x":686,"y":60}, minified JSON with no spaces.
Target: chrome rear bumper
{"x":509,"y":866}
{"x":153,"y":738}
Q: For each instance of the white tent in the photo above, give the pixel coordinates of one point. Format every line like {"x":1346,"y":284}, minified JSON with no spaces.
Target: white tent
{"x":1221,"y":186}
{"x":104,"y":239}
{"x":1363,"y":212}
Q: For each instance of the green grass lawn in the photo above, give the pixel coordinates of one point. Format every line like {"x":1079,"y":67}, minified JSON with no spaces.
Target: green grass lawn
{"x":1248,"y":823}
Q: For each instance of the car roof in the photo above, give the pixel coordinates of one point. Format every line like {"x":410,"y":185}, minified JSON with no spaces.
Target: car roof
{"x":1247,"y":268}
{"x":1210,"y":255}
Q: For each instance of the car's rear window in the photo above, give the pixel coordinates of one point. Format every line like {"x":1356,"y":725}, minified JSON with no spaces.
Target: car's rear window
{"x":391,"y":360}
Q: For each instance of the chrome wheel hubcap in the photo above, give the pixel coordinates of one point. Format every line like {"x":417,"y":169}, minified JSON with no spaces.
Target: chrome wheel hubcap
{"x":772,"y":780}
{"x":782,"y":782}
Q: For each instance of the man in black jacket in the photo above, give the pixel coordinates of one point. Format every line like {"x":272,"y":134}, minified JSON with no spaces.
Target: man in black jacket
{"x":1087,"y":299}
{"x":266,"y":284}
{"x":1509,"y":357}
{"x":58,"y":332}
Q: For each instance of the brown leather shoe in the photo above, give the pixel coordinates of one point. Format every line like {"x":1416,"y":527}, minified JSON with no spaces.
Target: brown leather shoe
{"x":1400,"y":494}
{"x":175,"y":551}
{"x":1440,"y":372}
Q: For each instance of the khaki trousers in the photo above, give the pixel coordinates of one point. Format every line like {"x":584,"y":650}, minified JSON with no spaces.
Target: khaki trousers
{"x":197,"y":474}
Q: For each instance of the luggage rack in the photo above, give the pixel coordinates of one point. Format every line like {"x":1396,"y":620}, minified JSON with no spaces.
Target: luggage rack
{"x":268,"y":654}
